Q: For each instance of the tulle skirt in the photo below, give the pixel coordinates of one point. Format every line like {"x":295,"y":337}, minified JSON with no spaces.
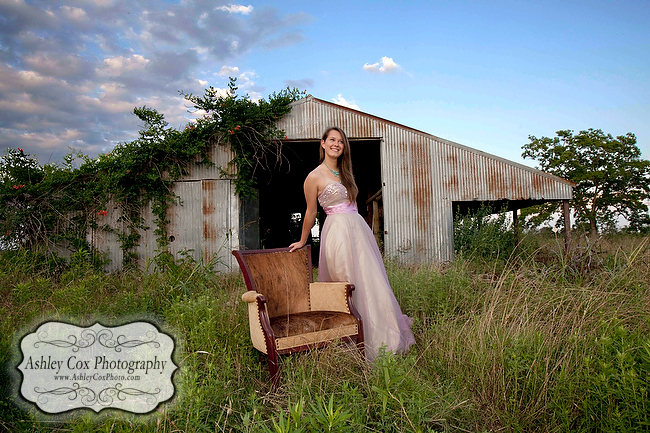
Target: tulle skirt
{"x":349,"y":252}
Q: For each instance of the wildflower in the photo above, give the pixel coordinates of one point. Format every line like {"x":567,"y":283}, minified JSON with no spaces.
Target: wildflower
{"x":20,"y":150}
{"x":19,"y":186}
{"x":237,"y":128}
{"x":286,"y":138}
{"x":231,"y":133}
{"x":102,"y":213}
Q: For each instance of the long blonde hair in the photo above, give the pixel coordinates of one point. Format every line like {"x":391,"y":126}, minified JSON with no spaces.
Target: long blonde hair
{"x":344,"y":162}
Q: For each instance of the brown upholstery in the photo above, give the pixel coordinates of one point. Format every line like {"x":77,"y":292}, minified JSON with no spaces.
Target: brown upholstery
{"x":304,"y":323}
{"x":283,"y":279}
{"x":290,"y":313}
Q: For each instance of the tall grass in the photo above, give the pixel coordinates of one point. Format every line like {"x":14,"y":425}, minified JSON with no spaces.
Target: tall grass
{"x":540,"y":341}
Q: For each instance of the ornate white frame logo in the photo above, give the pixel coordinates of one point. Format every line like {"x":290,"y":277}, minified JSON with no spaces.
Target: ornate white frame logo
{"x":67,"y":367}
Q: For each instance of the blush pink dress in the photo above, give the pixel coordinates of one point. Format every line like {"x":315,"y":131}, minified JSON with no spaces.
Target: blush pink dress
{"x":349,"y":252}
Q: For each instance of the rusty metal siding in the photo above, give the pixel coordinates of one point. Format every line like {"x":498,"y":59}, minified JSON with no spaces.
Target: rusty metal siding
{"x":148,"y":245}
{"x":205,"y":227}
{"x":104,"y":237}
{"x":220,"y":157}
{"x":184,"y":228}
{"x":422,"y":175}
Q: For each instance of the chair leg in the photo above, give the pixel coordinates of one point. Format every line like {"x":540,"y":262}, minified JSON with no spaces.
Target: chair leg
{"x":360,"y":340}
{"x":274,"y":368}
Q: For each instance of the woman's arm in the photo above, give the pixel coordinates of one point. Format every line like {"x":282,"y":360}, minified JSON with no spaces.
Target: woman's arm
{"x":311,"y":197}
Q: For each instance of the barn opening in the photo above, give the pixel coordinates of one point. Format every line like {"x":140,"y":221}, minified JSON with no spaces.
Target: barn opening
{"x":274,"y":218}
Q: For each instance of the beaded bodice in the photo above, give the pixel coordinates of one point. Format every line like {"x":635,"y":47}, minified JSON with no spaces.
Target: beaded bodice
{"x":334,"y":199}
{"x":334,"y":193}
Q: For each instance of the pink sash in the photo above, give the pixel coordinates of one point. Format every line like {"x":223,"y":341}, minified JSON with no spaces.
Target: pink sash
{"x":345,"y":207}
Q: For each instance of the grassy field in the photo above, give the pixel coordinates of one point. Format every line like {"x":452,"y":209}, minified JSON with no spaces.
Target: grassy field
{"x":534,"y":342}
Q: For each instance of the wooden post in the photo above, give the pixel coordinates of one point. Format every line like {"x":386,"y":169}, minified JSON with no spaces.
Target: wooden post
{"x":515,"y":225}
{"x":374,"y":223}
{"x":567,"y":226}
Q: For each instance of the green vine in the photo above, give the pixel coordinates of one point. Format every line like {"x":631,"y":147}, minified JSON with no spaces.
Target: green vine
{"x":247,"y":127}
{"x":51,"y":204}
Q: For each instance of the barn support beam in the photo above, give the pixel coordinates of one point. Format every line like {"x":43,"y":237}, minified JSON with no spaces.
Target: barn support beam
{"x":567,"y":226}
{"x":515,"y":225}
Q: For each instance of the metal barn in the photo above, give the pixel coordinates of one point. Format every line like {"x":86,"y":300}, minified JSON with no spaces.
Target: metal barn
{"x":410,"y":186}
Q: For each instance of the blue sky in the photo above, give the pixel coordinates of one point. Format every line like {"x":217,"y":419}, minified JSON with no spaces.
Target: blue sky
{"x":483,"y":74}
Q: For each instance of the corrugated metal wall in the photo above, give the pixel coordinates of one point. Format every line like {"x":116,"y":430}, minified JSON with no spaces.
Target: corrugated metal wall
{"x":422,"y":175}
{"x":205,"y":226}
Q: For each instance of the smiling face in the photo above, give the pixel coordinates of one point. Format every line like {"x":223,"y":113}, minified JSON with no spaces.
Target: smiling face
{"x":333,"y":145}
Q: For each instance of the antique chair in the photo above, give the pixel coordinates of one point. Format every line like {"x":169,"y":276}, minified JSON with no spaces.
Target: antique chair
{"x":287,"y":311}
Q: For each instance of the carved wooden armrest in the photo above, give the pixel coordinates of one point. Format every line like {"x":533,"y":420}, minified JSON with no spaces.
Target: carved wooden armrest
{"x":258,"y":319}
{"x":250,"y":296}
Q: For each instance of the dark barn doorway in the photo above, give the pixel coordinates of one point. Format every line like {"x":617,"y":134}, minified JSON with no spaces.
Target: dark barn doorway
{"x":281,"y":202}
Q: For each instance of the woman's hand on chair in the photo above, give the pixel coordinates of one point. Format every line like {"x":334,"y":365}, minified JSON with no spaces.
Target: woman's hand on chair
{"x":296,"y":245}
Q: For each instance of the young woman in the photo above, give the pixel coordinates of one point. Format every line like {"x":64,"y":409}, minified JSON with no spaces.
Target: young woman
{"x":348,"y":250}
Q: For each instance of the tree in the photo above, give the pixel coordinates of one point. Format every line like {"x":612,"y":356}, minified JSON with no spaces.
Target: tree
{"x":611,"y":178}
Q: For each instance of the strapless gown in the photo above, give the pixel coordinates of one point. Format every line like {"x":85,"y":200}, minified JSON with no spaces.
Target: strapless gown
{"x":349,"y":252}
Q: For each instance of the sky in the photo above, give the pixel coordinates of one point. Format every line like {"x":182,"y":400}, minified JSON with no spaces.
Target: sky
{"x":483,"y":74}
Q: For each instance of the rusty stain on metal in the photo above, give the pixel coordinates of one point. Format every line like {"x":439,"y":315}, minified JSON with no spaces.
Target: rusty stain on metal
{"x":451,"y":175}
{"x":422,"y":187}
{"x":207,"y":190}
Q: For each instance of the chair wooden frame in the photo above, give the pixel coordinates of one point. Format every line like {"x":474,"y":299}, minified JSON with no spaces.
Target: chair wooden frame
{"x":283,"y":299}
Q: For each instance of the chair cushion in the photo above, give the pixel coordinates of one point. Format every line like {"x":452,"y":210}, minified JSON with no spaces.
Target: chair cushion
{"x":311,"y":321}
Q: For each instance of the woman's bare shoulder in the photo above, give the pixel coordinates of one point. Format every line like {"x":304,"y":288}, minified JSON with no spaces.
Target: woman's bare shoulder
{"x":316,"y":175}
{"x":316,"y":179}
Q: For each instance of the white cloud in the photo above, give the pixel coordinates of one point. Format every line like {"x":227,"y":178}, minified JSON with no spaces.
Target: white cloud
{"x":54,"y":66}
{"x":103,"y":3}
{"x":300,"y":84}
{"x":228,"y":71}
{"x":116,"y":66}
{"x":74,"y":13}
{"x":388,"y":66}
{"x":202,"y":18}
{"x":342,"y":101}
{"x":105,"y":104}
{"x":236,"y":9}
{"x":76,"y":62}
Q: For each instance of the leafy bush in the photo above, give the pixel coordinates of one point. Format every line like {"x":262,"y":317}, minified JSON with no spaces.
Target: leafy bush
{"x":615,"y":383}
{"x":481,"y":234}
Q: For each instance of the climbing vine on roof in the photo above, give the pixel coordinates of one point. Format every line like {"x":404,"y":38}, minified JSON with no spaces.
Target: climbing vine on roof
{"x":42,"y":205}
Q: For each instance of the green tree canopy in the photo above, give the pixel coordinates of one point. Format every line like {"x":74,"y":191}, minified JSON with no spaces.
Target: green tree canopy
{"x":611,"y":178}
